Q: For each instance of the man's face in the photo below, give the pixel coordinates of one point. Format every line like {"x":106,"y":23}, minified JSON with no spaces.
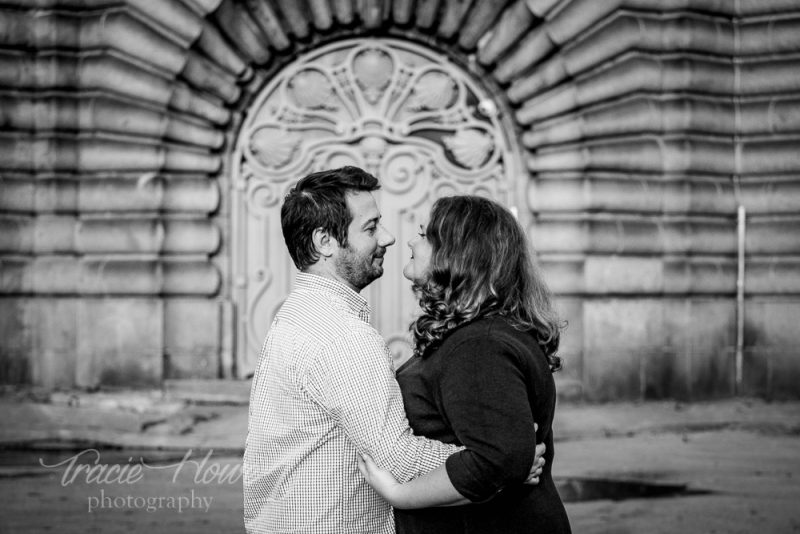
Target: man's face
{"x":361,"y":261}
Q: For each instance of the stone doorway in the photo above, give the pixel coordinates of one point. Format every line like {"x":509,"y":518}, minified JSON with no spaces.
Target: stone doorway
{"x":424,"y":126}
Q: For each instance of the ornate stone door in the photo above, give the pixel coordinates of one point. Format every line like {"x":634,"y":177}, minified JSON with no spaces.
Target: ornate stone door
{"x":404,"y":113}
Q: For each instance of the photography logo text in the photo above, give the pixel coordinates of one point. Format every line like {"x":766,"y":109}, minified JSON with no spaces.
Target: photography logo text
{"x":121,"y":485}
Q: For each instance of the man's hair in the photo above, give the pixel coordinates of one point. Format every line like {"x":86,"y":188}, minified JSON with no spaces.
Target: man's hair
{"x":481,"y":266}
{"x":319,"y":201}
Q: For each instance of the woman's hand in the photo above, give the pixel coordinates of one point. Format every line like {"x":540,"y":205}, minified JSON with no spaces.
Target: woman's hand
{"x":538,"y":465}
{"x":380,"y":479}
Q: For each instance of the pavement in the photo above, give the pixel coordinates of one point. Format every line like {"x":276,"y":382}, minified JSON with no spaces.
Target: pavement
{"x":728,"y":466}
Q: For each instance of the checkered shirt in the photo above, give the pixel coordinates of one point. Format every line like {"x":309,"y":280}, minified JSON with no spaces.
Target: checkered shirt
{"x":324,"y":388}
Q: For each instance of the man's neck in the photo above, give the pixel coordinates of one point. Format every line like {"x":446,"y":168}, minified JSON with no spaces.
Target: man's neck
{"x":325,"y":269}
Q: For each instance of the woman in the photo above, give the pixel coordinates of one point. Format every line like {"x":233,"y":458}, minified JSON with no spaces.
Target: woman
{"x":481,"y":376}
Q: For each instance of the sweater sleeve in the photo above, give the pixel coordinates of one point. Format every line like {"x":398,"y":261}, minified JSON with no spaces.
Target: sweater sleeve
{"x":484,"y":396}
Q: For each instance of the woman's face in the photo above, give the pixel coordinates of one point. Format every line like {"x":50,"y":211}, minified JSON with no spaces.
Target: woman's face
{"x":419,"y":267}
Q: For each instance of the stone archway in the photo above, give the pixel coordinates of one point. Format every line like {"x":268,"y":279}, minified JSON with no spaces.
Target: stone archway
{"x":405,"y":113}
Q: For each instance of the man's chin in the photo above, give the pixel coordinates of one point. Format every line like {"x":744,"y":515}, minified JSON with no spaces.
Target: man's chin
{"x":373,"y":274}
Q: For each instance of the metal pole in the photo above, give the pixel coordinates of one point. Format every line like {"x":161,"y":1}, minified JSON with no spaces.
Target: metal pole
{"x":740,"y":227}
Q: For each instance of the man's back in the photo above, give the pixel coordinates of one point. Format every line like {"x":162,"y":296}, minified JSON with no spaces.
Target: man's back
{"x":312,"y":405}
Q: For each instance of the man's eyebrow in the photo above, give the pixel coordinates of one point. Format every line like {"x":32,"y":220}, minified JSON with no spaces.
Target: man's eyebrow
{"x":371,"y":221}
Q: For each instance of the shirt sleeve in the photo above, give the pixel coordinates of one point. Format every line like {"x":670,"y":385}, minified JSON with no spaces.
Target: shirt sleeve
{"x":485,"y":398}
{"x":354,"y":382}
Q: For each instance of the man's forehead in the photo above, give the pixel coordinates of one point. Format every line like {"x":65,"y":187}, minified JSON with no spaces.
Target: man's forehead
{"x":362,"y":206}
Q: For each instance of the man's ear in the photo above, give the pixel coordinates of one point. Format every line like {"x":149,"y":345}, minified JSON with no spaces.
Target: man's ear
{"x":324,"y":242}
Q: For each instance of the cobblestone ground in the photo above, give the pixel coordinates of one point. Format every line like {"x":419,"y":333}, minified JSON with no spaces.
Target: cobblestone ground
{"x":743,"y":482}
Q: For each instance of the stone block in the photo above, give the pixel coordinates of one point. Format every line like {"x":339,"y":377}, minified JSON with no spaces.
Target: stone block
{"x":659,"y":348}
{"x":15,"y":276}
{"x":192,"y":338}
{"x":757,"y":372}
{"x":664,"y":373}
{"x":217,"y":391}
{"x":620,"y":274}
{"x":634,"y":234}
{"x":120,"y":342}
{"x":772,"y":235}
{"x":571,"y":344}
{"x":16,"y":332}
{"x":711,"y":334}
{"x":55,"y":338}
{"x":771,"y":365}
{"x":564,"y":275}
{"x":784,"y":356}
{"x":618,"y":335}
{"x":664,"y":359}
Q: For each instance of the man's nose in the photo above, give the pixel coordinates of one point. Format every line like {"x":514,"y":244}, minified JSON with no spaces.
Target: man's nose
{"x":385,"y":239}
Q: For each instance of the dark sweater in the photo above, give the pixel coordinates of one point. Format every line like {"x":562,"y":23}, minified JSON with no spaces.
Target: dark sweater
{"x":484,"y":387}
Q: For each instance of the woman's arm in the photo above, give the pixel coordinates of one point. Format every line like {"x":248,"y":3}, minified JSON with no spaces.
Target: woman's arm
{"x":485,"y":397}
{"x":432,"y":489}
{"x":485,"y":393}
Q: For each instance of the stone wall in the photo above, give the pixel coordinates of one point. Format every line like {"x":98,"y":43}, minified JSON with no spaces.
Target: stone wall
{"x":646,"y":125}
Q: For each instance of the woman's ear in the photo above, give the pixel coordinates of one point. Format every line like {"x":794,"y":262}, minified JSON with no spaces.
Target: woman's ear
{"x":324,"y":242}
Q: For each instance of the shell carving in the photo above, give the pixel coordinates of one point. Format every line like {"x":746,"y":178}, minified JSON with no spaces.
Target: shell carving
{"x":434,"y":90}
{"x":311,"y":89}
{"x":470,"y":148}
{"x":373,"y":70}
{"x":273,"y":147}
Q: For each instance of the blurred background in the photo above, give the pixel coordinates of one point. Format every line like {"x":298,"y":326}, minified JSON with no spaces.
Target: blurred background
{"x":650,"y":147}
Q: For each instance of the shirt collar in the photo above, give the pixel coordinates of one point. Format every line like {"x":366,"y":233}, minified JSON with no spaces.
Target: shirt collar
{"x":355,"y":302}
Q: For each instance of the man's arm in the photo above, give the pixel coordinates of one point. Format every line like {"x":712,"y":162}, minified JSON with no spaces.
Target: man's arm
{"x":431,"y":489}
{"x":354,"y":382}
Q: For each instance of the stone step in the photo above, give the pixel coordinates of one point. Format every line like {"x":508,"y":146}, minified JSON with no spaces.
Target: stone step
{"x":208,"y":391}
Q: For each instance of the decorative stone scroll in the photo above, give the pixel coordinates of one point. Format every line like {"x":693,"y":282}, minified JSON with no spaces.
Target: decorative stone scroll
{"x":402,"y":112}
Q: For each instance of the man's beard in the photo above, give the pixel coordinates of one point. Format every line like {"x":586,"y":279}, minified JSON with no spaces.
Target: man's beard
{"x":358,"y":271}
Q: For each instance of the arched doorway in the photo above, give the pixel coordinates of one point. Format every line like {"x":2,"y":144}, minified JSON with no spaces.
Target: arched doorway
{"x":424,"y":126}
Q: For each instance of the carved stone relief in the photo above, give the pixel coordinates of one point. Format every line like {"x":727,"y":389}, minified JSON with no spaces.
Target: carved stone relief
{"x":404,"y":113}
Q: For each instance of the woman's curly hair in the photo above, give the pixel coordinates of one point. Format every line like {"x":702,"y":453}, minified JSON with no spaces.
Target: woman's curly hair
{"x":481,"y":266}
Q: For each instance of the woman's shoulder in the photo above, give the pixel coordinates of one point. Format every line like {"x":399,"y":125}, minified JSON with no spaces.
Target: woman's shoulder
{"x":475,"y":329}
{"x":491,"y":331}
{"x":488,"y":345}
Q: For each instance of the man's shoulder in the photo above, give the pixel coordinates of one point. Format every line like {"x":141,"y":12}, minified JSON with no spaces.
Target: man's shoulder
{"x":321,"y":314}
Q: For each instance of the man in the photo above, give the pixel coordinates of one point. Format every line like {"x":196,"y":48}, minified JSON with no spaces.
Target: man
{"x":324,"y":389}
